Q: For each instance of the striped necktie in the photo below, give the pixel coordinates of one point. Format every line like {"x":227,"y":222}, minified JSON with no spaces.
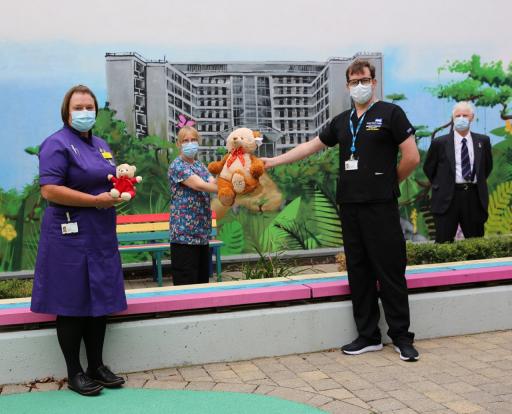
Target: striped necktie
{"x":465,"y":162}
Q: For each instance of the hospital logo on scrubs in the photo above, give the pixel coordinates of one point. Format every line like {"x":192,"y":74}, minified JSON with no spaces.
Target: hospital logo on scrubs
{"x":374,"y":125}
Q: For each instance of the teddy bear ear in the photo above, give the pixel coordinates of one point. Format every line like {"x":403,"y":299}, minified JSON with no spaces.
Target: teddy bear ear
{"x":256,"y":134}
{"x":134,"y":168}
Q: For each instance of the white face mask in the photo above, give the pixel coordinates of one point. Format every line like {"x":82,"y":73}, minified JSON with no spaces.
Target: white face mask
{"x":361,"y":93}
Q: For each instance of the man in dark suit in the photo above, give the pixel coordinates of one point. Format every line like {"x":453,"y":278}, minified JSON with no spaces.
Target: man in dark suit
{"x":457,"y":166}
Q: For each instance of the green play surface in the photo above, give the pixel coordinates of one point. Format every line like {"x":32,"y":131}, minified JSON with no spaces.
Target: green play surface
{"x":136,"y":401}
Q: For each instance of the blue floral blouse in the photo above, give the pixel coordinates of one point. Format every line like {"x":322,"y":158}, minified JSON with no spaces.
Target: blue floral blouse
{"x":190,"y":221}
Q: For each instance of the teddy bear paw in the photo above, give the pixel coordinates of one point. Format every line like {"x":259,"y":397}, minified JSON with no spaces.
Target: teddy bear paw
{"x":238,"y":181}
{"x":126,"y":196}
{"x":114,"y":193}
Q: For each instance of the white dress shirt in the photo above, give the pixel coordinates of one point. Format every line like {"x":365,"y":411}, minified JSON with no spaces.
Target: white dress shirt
{"x":459,"y":179}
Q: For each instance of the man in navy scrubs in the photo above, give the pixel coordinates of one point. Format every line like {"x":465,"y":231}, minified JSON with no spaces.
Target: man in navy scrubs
{"x":370,"y":136}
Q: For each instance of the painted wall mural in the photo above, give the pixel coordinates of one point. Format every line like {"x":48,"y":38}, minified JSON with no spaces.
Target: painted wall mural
{"x":308,"y":217}
{"x":423,"y":71}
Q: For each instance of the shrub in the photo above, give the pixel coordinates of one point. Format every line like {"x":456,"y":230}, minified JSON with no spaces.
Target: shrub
{"x":469,"y":249}
{"x":15,"y":288}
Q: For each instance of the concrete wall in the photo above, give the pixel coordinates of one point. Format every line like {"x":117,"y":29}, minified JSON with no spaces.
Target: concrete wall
{"x":198,"y":339}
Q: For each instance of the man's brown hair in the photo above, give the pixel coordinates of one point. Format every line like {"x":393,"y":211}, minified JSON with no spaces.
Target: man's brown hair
{"x":64,"y":109}
{"x":357,"y":66}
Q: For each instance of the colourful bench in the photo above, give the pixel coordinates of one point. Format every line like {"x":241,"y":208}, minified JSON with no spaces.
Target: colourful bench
{"x":150,"y":233}
{"x":265,"y":291}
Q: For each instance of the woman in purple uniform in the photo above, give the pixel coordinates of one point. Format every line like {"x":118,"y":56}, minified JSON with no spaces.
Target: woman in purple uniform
{"x":78,"y":274}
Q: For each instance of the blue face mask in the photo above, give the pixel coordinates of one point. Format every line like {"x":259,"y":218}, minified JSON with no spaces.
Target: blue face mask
{"x":190,"y":149}
{"x":83,"y":121}
{"x":461,"y":123}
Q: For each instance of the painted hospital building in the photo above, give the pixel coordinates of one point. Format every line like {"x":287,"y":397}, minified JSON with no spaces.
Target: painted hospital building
{"x":288,"y":102}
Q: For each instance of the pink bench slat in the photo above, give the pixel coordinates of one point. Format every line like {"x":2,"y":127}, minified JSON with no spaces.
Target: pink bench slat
{"x":22,"y":315}
{"x":178,"y":302}
{"x":422,"y":280}
{"x":458,"y":277}
{"x":216,"y":299}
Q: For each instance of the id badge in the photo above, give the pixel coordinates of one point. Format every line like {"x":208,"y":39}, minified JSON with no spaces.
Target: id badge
{"x":69,"y":228}
{"x":351,"y":165}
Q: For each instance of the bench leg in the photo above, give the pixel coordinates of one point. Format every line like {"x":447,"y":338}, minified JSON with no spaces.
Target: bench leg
{"x":158,"y":257}
{"x":155,"y":269}
{"x":218,"y":262}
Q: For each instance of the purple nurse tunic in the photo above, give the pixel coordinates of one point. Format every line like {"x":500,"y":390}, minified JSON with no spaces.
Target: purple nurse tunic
{"x":77,"y":274}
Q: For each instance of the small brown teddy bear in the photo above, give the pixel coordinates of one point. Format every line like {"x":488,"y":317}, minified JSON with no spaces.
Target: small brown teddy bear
{"x":239,"y":170}
{"x":124,"y":182}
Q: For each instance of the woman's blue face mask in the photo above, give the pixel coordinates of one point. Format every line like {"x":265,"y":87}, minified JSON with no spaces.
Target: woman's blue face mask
{"x":190,"y":149}
{"x":83,"y":121}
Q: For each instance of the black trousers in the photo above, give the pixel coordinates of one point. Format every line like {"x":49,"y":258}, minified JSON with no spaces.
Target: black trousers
{"x":375,"y":252}
{"x":465,"y":210}
{"x":190,"y":264}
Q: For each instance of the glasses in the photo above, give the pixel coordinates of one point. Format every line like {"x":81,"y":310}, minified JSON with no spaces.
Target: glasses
{"x":363,"y":81}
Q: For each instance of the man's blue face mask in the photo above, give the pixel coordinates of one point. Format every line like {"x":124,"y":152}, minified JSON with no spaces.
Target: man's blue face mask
{"x":461,"y":123}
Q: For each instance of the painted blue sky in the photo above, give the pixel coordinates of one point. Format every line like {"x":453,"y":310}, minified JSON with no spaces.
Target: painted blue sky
{"x":46,"y":47}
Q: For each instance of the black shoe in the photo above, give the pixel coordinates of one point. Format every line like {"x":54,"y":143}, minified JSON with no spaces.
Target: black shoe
{"x":407,"y":351}
{"x":105,"y":377}
{"x":360,"y":346}
{"x":84,"y":385}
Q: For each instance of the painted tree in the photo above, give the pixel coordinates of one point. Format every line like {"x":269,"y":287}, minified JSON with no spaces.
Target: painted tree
{"x":486,"y":84}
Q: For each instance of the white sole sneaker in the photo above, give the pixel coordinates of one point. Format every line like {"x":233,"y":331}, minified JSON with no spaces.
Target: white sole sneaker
{"x":370,"y":348}
{"x":405,"y":358}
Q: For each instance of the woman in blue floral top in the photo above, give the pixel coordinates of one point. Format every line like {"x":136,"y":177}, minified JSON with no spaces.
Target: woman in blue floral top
{"x":190,"y":220}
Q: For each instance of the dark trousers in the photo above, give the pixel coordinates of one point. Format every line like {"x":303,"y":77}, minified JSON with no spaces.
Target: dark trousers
{"x":465,"y":210}
{"x":190,"y":263}
{"x":375,"y":252}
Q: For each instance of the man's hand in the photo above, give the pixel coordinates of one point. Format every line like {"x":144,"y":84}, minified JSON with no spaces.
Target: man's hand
{"x":268,"y":162}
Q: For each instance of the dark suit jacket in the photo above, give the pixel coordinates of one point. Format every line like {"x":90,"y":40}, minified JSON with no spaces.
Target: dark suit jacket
{"x":440,"y":170}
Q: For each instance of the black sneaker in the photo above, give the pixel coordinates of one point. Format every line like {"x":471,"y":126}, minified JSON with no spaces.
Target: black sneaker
{"x":407,"y":351}
{"x":360,"y":346}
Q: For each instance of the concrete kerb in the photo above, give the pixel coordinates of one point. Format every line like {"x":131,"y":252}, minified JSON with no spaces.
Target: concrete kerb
{"x":237,"y":258}
{"x":245,"y":334}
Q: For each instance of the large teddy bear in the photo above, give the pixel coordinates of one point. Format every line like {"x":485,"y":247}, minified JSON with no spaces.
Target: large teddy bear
{"x":124,"y":182}
{"x":239,"y":170}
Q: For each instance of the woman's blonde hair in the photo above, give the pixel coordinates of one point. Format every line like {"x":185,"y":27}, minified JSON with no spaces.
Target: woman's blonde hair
{"x":188,"y":130}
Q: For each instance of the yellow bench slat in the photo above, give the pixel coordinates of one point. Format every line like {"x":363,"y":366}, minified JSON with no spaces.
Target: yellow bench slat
{"x":142,"y":227}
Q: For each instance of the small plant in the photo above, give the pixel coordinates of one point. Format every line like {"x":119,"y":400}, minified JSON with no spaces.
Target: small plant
{"x":267,"y":266}
{"x":15,"y":288}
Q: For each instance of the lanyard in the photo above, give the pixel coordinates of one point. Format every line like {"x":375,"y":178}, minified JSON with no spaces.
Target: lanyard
{"x":356,"y":130}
